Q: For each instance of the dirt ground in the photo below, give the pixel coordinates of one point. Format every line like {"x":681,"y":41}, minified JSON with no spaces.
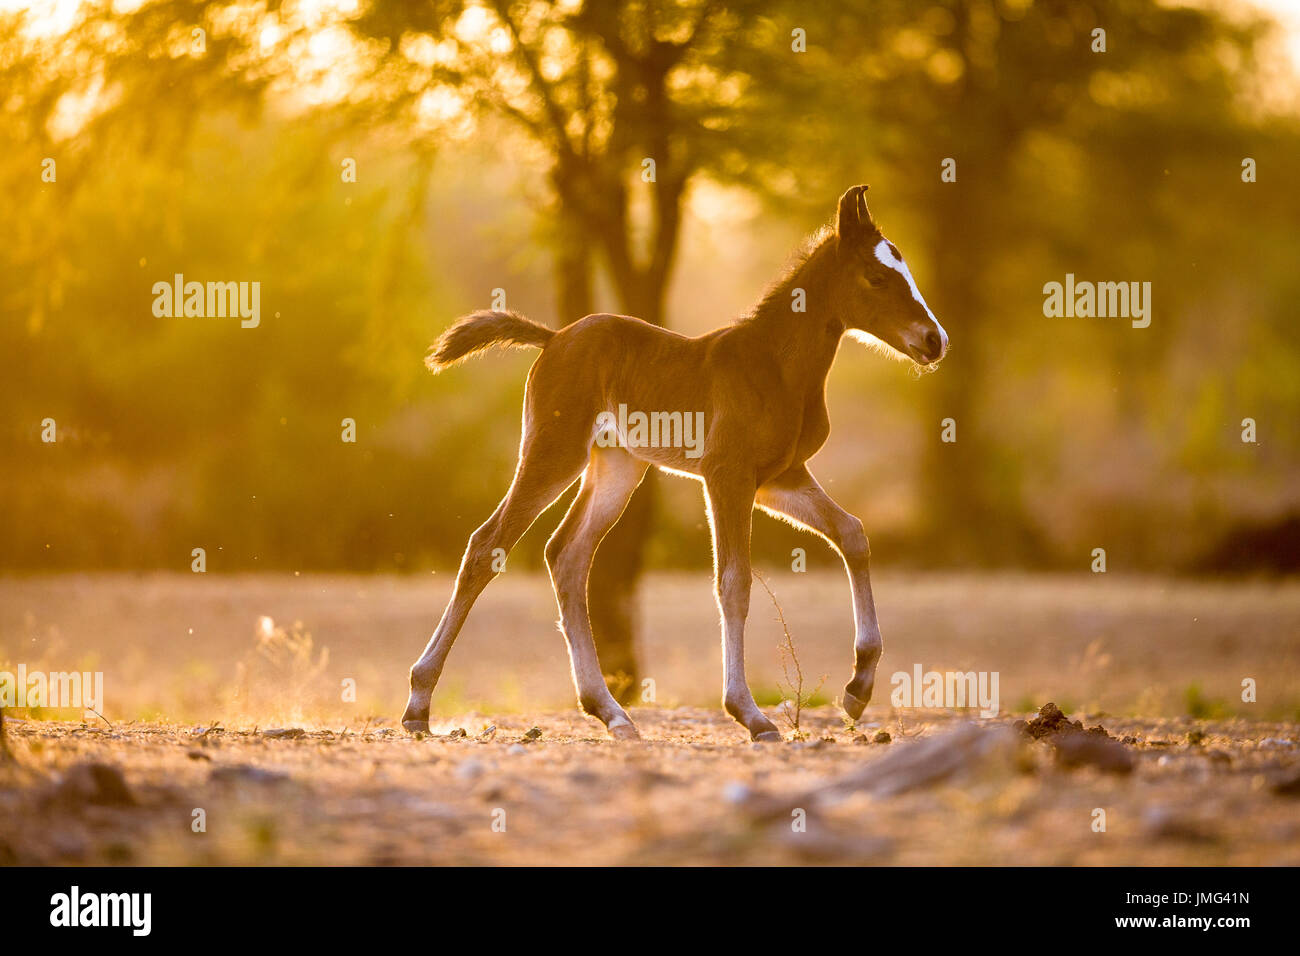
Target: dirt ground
{"x":237,"y":743}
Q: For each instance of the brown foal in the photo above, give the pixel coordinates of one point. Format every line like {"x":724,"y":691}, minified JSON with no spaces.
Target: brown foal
{"x":757,"y":388}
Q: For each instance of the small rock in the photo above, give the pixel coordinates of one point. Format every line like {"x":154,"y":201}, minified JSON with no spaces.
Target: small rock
{"x":488,"y":732}
{"x":1289,"y":785}
{"x":1163,"y":823}
{"x":70,"y":846}
{"x":100,"y":784}
{"x":245,"y":773}
{"x":1092,"y":750}
{"x":470,"y":770}
{"x":736,"y":792}
{"x":882,"y":737}
{"x":533,"y":733}
{"x":457,"y":733}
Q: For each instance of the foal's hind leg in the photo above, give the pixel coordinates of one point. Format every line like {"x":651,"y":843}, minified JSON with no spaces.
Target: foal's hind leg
{"x":797,"y":496}
{"x":607,"y":484}
{"x":547,"y":465}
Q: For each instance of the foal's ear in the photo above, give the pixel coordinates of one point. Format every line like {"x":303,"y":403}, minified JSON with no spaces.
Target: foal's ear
{"x":853,"y":224}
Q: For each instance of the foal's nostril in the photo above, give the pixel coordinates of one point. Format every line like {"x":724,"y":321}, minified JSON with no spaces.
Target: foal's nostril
{"x":933,"y":344}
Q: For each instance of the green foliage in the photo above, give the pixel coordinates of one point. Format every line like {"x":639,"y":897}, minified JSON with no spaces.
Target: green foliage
{"x":180,"y":433}
{"x":1202,"y":707}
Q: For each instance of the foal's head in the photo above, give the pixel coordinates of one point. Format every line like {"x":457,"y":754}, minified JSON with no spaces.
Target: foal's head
{"x":876,"y":291}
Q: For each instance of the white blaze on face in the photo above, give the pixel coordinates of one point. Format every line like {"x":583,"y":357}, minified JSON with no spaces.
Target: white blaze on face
{"x":886,"y":255}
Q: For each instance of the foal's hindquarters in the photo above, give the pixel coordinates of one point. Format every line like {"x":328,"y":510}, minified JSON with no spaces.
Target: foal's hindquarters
{"x":561,"y":404}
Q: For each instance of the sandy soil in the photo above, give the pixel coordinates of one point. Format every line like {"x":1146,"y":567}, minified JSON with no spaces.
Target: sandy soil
{"x":190,"y":723}
{"x":695,"y":792}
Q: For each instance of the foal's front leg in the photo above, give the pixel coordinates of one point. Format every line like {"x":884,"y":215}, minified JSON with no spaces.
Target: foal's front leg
{"x":797,"y":496}
{"x":731,"y":507}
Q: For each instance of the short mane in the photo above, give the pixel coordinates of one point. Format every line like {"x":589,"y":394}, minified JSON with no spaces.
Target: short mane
{"x":777,"y":294}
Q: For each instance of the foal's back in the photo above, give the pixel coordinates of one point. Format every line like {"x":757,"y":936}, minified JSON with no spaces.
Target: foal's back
{"x":605,"y":362}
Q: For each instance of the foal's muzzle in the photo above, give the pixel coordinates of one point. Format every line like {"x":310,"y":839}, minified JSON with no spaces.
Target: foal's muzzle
{"x":926,"y":344}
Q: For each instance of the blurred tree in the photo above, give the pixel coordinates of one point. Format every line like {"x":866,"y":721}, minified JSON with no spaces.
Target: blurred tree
{"x":628,"y":102}
{"x":1122,"y":165}
{"x":1047,"y":120}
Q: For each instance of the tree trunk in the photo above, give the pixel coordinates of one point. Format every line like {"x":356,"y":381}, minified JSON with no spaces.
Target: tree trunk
{"x":613,"y":589}
{"x":973,"y":509}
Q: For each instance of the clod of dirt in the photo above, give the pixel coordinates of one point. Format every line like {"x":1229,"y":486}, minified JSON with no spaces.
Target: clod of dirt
{"x":1051,"y":721}
{"x":1074,"y":746}
{"x":882,"y":737}
{"x":1195,"y":737}
{"x":457,"y":734}
{"x":533,"y":734}
{"x":1092,"y":750}
{"x":99,"y":784}
{"x":284,"y":733}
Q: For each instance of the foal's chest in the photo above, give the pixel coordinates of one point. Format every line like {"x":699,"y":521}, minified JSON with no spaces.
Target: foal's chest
{"x":816,"y":428}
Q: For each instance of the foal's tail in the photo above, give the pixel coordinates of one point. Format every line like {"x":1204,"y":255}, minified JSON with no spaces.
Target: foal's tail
{"x":479,"y":331}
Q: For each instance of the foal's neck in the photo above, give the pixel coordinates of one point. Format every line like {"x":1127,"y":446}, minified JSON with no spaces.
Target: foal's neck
{"x":803,"y":343}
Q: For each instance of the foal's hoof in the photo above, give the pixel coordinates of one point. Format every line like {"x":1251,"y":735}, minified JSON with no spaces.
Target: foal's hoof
{"x":624,"y":732}
{"x":416,"y":726}
{"x":769,"y":737}
{"x":853,"y":706}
